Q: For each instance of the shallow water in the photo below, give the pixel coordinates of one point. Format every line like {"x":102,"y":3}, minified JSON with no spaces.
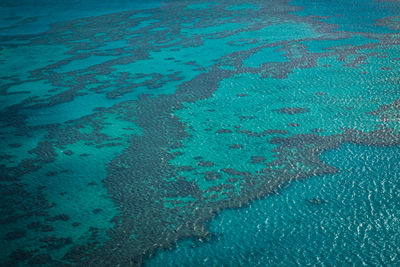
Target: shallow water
{"x":199,"y":133}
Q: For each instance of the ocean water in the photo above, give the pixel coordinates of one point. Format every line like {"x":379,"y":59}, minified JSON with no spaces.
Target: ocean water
{"x":348,"y":218}
{"x":199,"y":133}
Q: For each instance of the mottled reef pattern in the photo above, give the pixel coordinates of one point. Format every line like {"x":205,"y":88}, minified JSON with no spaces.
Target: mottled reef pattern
{"x":175,"y":139}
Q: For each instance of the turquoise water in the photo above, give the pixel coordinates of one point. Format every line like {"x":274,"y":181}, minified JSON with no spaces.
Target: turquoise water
{"x":192,"y":133}
{"x":332,"y":220}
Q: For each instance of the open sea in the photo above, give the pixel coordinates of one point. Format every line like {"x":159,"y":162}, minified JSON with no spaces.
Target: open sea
{"x":199,"y":133}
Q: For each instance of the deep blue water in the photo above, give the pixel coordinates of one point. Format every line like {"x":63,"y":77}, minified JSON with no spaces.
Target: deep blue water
{"x":29,"y":17}
{"x":193,"y":133}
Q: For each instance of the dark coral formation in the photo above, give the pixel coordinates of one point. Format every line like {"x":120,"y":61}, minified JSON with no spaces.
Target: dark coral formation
{"x":236,"y":146}
{"x":142,"y":182}
{"x":205,"y":163}
{"x":41,"y":259}
{"x":60,"y":217}
{"x":224,"y":131}
{"x":292,"y":111}
{"x":15,"y":235}
{"x":257,"y":159}
{"x":209,"y":176}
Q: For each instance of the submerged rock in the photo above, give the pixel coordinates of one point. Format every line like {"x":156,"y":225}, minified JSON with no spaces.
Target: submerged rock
{"x":317,"y":201}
